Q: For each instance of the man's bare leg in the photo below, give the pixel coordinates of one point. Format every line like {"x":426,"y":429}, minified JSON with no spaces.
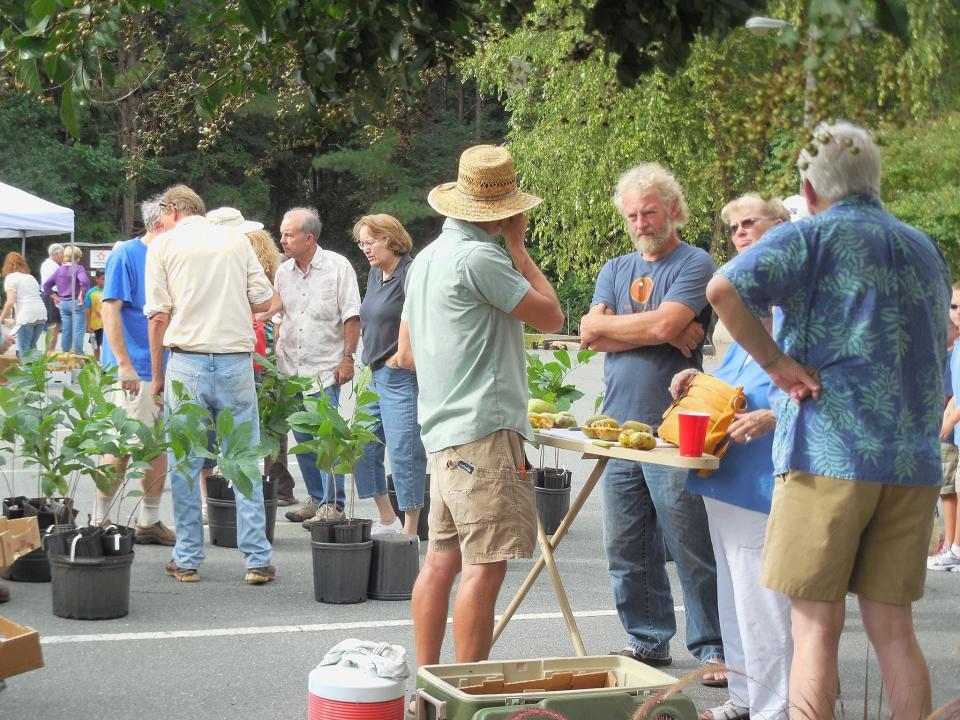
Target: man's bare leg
{"x":411,"y":518}
{"x":473,"y":610}
{"x":906,"y":680}
{"x":53,"y":334}
{"x":431,"y":602}
{"x":814,"y":679}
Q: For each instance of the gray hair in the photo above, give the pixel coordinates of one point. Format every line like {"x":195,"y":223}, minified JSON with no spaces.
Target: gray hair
{"x":150,"y":212}
{"x":54,"y":249}
{"x":311,"y":222}
{"x":846,"y":162}
{"x":653,"y":176}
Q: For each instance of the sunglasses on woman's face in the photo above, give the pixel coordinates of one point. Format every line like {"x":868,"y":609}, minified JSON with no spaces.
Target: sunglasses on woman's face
{"x":746,"y":224}
{"x":954,"y":307}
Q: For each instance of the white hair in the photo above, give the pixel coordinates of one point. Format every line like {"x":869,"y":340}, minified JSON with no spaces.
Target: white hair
{"x":653,"y":176}
{"x":846,"y":162}
{"x":54,"y":249}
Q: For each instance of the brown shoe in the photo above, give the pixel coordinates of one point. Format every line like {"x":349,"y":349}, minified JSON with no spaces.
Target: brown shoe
{"x":260,"y":575}
{"x":4,"y":593}
{"x":306,"y":511}
{"x":181,"y":574}
{"x":156,"y":534}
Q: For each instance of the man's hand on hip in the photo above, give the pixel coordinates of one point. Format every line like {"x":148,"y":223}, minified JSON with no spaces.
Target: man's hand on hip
{"x":343,"y":373}
{"x":799,"y":381}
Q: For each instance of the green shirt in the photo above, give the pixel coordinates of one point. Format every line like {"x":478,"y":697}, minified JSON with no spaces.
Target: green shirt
{"x":468,"y":348}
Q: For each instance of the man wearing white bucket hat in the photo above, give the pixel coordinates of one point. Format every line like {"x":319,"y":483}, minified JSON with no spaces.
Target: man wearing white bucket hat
{"x":462,"y":331}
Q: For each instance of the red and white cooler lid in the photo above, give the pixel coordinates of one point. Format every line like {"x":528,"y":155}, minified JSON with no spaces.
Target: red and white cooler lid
{"x":353,"y":685}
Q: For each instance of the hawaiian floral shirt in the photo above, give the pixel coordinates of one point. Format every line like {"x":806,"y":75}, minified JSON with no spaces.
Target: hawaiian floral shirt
{"x":863,"y":300}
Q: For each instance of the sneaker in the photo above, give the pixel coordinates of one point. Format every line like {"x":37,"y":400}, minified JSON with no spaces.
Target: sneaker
{"x":260,"y":575}
{"x":945,"y":561}
{"x":286,"y":501}
{"x":632,"y":652}
{"x":306,"y":511}
{"x":181,"y":574}
{"x":394,"y":528}
{"x":156,"y":534}
{"x":326,"y":512}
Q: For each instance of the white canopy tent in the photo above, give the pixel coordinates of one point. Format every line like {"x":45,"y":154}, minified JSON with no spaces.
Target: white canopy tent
{"x":24,"y":215}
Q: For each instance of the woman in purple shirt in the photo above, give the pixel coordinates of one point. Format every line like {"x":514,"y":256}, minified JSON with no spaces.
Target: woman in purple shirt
{"x":67,"y":286}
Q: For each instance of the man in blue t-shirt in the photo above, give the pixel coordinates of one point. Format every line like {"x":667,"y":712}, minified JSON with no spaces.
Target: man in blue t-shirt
{"x":127,"y":348}
{"x":648,"y":314}
{"x":857,"y":354}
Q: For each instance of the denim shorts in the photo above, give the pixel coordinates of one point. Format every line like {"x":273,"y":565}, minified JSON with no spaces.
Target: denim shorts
{"x":482,"y":500}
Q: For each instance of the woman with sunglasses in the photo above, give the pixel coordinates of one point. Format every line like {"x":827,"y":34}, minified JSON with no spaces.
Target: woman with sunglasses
{"x":754,"y":621}
{"x":386,"y":245}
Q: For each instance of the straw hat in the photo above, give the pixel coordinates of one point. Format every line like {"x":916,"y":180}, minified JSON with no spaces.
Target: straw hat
{"x":485,"y":190}
{"x":231,"y":217}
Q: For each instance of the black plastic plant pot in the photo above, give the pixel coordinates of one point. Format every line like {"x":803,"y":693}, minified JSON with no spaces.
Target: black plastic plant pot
{"x":321,"y":531}
{"x":341,"y":572}
{"x":269,"y":488}
{"x":57,"y":541}
{"x":218,"y":488}
{"x":88,"y":544}
{"x":394,"y":567}
{"x":33,"y":567}
{"x":422,"y":526}
{"x":536,"y":474}
{"x":14,"y":507}
{"x":552,"y":505}
{"x":367,"y":526}
{"x":222,"y":521}
{"x":91,"y":588}
{"x":348,"y":531}
{"x":556,"y":478}
{"x":117,"y":540}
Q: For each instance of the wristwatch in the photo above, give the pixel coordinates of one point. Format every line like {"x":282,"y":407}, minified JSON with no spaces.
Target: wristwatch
{"x":348,"y":355}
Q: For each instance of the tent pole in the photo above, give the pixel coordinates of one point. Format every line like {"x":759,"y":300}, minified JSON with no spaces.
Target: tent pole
{"x":23,"y":243}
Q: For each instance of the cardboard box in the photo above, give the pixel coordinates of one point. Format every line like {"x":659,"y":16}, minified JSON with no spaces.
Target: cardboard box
{"x":17,"y":538}
{"x":19,"y":649}
{"x":6,"y":362}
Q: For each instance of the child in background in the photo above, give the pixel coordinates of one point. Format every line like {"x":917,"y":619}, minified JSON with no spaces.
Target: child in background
{"x":92,"y":302}
{"x":948,"y":558}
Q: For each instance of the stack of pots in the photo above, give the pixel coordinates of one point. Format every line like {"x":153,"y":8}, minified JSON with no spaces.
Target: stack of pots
{"x":50,"y":513}
{"x":342,"y":552}
{"x":552,"y":488}
{"x":90,"y":570}
{"x":222,"y":510}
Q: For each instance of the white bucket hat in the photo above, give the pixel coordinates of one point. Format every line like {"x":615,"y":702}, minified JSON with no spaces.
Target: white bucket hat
{"x":231,"y":217}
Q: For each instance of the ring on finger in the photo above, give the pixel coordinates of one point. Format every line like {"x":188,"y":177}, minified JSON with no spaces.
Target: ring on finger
{"x":749,"y":437}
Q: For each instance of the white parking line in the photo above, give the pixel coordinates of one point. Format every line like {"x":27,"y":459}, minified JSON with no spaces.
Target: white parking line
{"x":279,"y":629}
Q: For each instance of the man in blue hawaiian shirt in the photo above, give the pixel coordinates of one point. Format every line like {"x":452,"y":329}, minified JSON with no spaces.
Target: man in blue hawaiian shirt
{"x":859,"y":349}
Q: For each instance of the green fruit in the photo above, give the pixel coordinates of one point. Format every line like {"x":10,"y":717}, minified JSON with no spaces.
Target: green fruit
{"x":596,"y":418}
{"x":540,"y":406}
{"x":564,"y":420}
{"x":636,"y":426}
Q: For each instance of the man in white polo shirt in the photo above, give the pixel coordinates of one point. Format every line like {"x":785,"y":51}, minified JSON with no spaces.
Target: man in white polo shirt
{"x":204,"y":282}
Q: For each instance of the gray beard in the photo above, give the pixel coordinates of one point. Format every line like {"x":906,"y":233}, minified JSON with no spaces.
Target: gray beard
{"x":646,"y":244}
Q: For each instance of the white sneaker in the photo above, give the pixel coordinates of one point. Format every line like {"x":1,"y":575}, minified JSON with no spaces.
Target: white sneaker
{"x":394,"y":528}
{"x":945,"y":560}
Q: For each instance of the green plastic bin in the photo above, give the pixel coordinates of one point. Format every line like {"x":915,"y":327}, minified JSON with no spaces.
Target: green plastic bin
{"x":611,"y":687}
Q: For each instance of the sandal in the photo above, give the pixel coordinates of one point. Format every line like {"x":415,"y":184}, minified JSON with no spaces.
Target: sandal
{"x":715,"y":678}
{"x":728,"y":711}
{"x":412,"y":705}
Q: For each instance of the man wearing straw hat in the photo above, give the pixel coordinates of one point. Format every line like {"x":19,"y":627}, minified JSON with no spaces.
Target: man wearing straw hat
{"x":462,"y":331}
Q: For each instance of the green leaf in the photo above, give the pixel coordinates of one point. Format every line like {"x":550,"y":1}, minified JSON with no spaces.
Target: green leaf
{"x":42,"y":10}
{"x":29,"y":75}
{"x":67,"y":111}
{"x":892,"y":17}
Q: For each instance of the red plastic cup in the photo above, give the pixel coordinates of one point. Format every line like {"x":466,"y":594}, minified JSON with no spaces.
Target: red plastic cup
{"x":693,"y":432}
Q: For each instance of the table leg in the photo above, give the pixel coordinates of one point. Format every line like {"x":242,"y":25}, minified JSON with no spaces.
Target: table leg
{"x":547,"y":549}
{"x":553,"y":542}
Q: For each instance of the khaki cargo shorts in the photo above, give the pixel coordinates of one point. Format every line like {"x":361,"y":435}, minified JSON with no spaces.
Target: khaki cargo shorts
{"x":827,"y":536}
{"x":948,"y":458}
{"x":480,"y":501}
{"x":140,"y":406}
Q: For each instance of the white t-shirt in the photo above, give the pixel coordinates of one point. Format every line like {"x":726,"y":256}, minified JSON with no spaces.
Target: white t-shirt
{"x":47,"y":268}
{"x":28,"y":308}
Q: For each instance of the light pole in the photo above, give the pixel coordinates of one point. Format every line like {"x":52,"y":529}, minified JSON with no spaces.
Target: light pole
{"x":762,"y":26}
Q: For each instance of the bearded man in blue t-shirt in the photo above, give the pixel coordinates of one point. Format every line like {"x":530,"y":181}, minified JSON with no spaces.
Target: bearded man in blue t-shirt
{"x":648,"y":314}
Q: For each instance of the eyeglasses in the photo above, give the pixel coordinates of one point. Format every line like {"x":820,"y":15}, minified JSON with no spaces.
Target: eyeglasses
{"x":367,"y":244}
{"x":954,"y":307}
{"x":746,"y":224}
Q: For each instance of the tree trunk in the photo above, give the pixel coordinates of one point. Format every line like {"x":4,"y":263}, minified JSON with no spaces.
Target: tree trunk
{"x":127,"y":137}
{"x":476,"y":126}
{"x":460,"y":101}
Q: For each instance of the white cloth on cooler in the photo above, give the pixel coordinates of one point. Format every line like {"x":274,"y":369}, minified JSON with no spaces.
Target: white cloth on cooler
{"x":377,"y":658}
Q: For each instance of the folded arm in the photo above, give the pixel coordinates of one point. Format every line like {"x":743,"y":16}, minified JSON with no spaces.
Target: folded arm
{"x":672,"y":322}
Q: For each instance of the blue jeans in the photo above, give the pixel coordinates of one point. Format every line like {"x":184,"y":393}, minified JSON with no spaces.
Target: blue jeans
{"x":27,"y":337}
{"x":216,"y":382}
{"x":643,"y":506}
{"x":74,"y":325}
{"x":320,"y":483}
{"x":399,"y":431}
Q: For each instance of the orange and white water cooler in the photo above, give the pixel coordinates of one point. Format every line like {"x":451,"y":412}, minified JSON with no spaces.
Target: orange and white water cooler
{"x":337,"y":692}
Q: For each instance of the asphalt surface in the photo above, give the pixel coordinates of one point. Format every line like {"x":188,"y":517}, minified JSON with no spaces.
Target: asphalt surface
{"x":222,"y":649}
